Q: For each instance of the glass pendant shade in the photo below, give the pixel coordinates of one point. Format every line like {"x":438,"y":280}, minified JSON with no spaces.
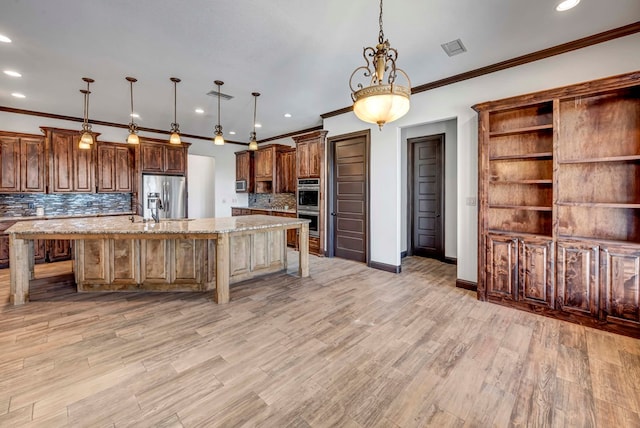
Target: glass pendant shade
{"x":218,"y":140}
{"x":253,"y":145}
{"x":133,"y":138}
{"x":86,"y":138}
{"x":381,"y":104}
{"x":175,"y":139}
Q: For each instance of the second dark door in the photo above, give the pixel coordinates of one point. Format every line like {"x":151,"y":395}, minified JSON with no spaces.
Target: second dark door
{"x":426,"y":169}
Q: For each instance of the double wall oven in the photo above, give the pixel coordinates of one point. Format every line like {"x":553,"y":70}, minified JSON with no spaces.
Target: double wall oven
{"x":308,"y":195}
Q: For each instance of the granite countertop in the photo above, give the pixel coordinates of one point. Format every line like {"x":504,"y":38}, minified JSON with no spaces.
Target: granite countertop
{"x":279,"y":210}
{"x":56,"y":217}
{"x":122,"y":225}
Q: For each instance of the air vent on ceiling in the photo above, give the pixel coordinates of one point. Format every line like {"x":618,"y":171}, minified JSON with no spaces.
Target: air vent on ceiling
{"x":214,"y":93}
{"x":454,"y":47}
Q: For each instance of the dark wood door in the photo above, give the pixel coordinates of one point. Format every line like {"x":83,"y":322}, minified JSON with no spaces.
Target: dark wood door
{"x":314,"y":159}
{"x":502,"y":267}
{"x":32,"y":164}
{"x":350,"y":182}
{"x":620,"y":267}
{"x":536,"y":282}
{"x":303,"y":160}
{"x":58,"y":249}
{"x":152,"y":157}
{"x":10,"y":164}
{"x":82,"y":167}
{"x":175,"y":158}
{"x":106,"y":165}
{"x":264,"y":163}
{"x":124,"y":169}
{"x":62,"y":158}
{"x":578,"y":278}
{"x":426,"y":180}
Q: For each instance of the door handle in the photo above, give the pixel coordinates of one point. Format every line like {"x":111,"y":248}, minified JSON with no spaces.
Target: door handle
{"x":333,"y":214}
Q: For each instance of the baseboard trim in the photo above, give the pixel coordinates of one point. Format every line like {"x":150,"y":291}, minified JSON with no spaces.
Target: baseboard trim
{"x":403,"y":254}
{"x":450,"y":260}
{"x":385,"y":267}
{"x":467,"y":285}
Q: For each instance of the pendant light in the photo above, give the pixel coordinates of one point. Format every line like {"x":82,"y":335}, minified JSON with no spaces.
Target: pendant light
{"x":383,"y":101}
{"x":175,"y":128}
{"x":219,"y":139}
{"x":86,"y":138}
{"x":133,"y":128}
{"x":253,"y":144}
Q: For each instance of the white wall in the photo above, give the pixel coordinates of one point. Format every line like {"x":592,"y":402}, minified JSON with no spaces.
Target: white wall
{"x":602,"y":60}
{"x":201,"y":178}
{"x":450,"y":130}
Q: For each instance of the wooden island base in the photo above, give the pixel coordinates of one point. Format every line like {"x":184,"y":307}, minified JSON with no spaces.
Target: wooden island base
{"x":198,"y":255}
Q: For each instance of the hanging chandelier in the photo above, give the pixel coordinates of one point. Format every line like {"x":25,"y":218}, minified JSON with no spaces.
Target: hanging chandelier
{"x":86,"y":138}
{"x":253,"y":143}
{"x":383,"y":101}
{"x":133,"y":128}
{"x":219,"y":139}
{"x":175,"y":128}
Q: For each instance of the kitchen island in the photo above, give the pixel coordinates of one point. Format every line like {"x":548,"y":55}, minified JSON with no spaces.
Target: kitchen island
{"x":117,"y":254}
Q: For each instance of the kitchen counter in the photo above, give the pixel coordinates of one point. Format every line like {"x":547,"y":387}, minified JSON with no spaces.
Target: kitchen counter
{"x":56,"y":217}
{"x":115,"y":254}
{"x":278,"y":210}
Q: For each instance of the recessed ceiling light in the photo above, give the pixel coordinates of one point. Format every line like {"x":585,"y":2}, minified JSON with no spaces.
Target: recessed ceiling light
{"x":287,"y":115}
{"x":135,"y":115}
{"x":566,"y":5}
{"x":18,"y":95}
{"x":4,"y":39}
{"x":232,"y":132}
{"x":199,"y":111}
{"x":12,"y":73}
{"x":258,"y":125}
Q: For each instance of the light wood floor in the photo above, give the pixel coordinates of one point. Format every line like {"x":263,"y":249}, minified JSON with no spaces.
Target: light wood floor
{"x":347,"y":347}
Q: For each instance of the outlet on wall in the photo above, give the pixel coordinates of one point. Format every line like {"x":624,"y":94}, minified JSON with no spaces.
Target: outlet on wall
{"x":471,"y":201}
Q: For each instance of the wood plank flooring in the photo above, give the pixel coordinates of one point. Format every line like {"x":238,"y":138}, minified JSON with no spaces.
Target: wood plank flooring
{"x":347,"y":347}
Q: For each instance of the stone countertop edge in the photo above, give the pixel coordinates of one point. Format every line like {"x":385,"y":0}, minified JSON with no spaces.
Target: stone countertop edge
{"x":279,"y":210}
{"x":122,"y":225}
{"x":64,"y":216}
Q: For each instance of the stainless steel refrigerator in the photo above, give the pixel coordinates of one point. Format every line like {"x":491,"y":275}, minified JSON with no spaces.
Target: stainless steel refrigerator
{"x":171,"y":191}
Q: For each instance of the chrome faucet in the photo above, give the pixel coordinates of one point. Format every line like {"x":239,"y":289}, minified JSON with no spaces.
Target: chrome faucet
{"x":155,"y":205}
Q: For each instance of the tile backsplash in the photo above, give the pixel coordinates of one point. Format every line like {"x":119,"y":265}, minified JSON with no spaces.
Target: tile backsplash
{"x":26,"y":204}
{"x":272,"y":200}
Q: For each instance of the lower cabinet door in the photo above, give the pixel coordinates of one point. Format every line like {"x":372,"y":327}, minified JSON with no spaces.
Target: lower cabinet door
{"x":502,"y":267}
{"x":620,"y":279}
{"x":536,"y":278}
{"x":58,"y":250}
{"x":578,"y":278}
{"x":39,"y":250}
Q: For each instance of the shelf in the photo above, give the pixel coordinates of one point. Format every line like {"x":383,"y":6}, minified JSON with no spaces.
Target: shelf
{"x":521,"y":130}
{"x":521,"y":207}
{"x":545,"y":181}
{"x":599,"y":205}
{"x":594,"y":240}
{"x":527,"y":156}
{"x":517,"y":234}
{"x":627,"y":158}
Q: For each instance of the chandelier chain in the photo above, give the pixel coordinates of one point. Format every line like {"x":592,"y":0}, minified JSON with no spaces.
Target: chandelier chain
{"x":381,"y":35}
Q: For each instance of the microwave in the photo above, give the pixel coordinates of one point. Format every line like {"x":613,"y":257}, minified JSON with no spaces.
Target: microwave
{"x":241,"y":185}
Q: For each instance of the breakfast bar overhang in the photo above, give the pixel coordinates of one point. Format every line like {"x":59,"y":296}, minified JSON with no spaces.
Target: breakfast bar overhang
{"x":117,"y":254}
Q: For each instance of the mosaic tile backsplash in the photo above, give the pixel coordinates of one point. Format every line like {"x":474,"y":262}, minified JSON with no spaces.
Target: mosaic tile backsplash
{"x":272,"y":200}
{"x":26,"y":204}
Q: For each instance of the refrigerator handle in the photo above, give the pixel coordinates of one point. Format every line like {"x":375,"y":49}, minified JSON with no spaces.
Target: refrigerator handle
{"x":167,"y":202}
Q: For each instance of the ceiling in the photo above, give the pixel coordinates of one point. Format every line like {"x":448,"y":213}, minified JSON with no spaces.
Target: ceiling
{"x":298,"y":54}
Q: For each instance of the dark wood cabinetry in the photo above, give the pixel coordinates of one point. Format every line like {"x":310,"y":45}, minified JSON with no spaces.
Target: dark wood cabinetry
{"x":43,"y":250}
{"x":70,"y":168}
{"x":22,"y":163}
{"x":115,"y":167}
{"x":163,"y":158}
{"x":286,"y":171}
{"x":310,"y":152}
{"x":245,"y":170}
{"x":558,"y":175}
{"x":269,"y":169}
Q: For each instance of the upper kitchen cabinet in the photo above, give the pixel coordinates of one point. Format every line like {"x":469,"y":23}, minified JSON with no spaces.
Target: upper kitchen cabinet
{"x":266,"y":174}
{"x":160,"y":157}
{"x":115,"y":167}
{"x":22,"y":162}
{"x":70,"y":169}
{"x":244,"y":172}
{"x":286,"y":171}
{"x":310,"y":152}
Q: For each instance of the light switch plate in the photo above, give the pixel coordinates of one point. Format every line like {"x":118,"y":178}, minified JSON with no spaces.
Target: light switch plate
{"x":471,"y":201}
